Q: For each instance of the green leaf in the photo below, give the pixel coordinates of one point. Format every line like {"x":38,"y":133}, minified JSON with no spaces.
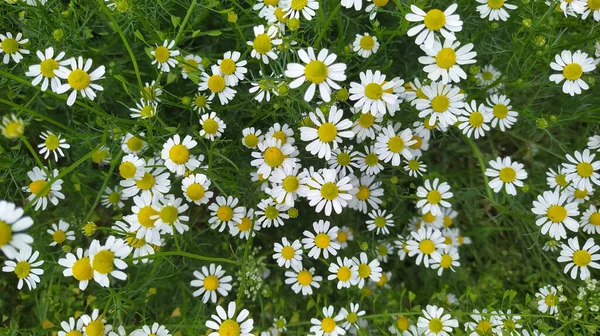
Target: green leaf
{"x":171,"y":77}
{"x":411,"y":296}
{"x":214,"y":33}
{"x":139,"y":36}
{"x":175,"y":20}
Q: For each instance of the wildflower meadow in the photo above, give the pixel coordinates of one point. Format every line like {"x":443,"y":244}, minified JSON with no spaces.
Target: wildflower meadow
{"x":299,"y":167}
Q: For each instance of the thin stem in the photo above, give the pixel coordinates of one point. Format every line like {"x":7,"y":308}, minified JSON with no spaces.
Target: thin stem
{"x":33,"y":152}
{"x":185,"y":20}
{"x":187,"y":255}
{"x":104,"y":184}
{"x":330,"y":18}
{"x":481,"y":166}
{"x":34,"y":113}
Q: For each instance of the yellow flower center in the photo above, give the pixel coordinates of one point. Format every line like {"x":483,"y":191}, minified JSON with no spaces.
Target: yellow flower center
{"x":581,"y":193}
{"x":82,"y":270}
{"x":162,"y":53}
{"x":352,"y":317}
{"x":271,"y":212}
{"x":342,"y":237}
{"x":251,"y":140}
{"x":298,"y":4}
{"x":225,"y":213}
{"x":367,"y":42}
{"x":500,"y":111}
{"x":426,"y":246}
{"x":291,"y":183}
{"x":135,"y":144}
{"x":210,"y":126}
{"x":195,"y":191}
{"x":382,"y":250}
{"x":10,"y":46}
{"x":79,"y":79}
{"x":509,"y":324}
{"x":371,"y":159}
{"x":585,"y":169}
{"x":561,"y":180}
{"x":322,"y":240}
{"x":58,"y":236}
{"x":396,"y":144}
{"x":366,"y":120}
{"x":36,"y":188}
{"x":245,"y":225}
{"x":47,"y":67}
{"x":550,"y":300}
{"x":262,"y":44}
{"x":572,"y":71}
{"x":435,"y":19}
{"x":364,"y":271}
{"x":363,"y":193}
{"x":127,"y":170}
{"x":281,"y":136}
{"x":418,"y":142}
{"x":22,"y":269}
{"x":14,"y":129}
{"x":148,"y":111}
{"x":229,"y":328}
{"x":271,"y":2}
{"x":304,"y":278}
{"x":594,"y":219}
{"x":448,"y":240}
{"x":200,"y":101}
{"x":343,"y":159}
{"x":374,"y":91}
{"x":135,"y":242}
{"x":447,"y":221}
{"x":328,"y":324}
{"x":414,"y":164}
{"x":147,"y":182}
{"x":476,"y":119}
{"x":279,"y":14}
{"x":329,"y":191}
{"x":446,"y":58}
{"x":344,"y":273}
{"x":327,"y":132}
{"x":144,"y":216}
{"x":380,"y":3}
{"x":484,"y":326}
{"x":557,"y":213}
{"x":273,"y":156}
{"x":95,"y":328}
{"x":435,"y":325}
{"x":402,"y":323}
{"x":179,"y":154}
{"x":211,"y":283}
{"x":429,"y":217}
{"x":440,"y":103}
{"x":446,"y":261}
{"x":594,"y":4}
{"x":169,"y":214}
{"x":487,"y":75}
{"x":434,"y":197}
{"x":316,"y":72}
{"x":74,"y":333}
{"x":103,"y":262}
{"x":582,"y":258}
{"x":190,"y":65}
{"x":495,"y":4}
{"x":216,"y":83}
{"x":287,"y":252}
{"x":380,"y":222}
{"x":507,"y":174}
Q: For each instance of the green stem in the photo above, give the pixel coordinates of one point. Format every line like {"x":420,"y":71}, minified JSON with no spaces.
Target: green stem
{"x":104,"y":183}
{"x":330,"y":18}
{"x":33,"y":152}
{"x":481,"y":166}
{"x":246,"y":252}
{"x":187,"y":255}
{"x":34,"y":113}
{"x":185,"y":20}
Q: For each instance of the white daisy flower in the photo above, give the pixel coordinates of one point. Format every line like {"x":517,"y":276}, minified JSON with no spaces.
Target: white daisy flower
{"x":494,"y":10}
{"x":44,"y":71}
{"x":380,"y":222}
{"x":444,"y":60}
{"x":582,"y":170}
{"x":351,"y":317}
{"x":551,"y":245}
{"x":293,"y":8}
{"x":444,"y":103}
{"x":369,"y":193}
{"x":302,"y":280}
{"x":555,"y":212}
{"x":447,"y":258}
{"x":572,"y":66}
{"x":345,"y":271}
{"x":52,"y":144}
{"x":318,"y":70}
{"x":95,"y":324}
{"x":368,"y":162}
{"x":132,"y":144}
{"x":265,"y":39}
{"x":169,"y":214}
{"x":506,"y":173}
{"x":279,"y":324}
{"x":503,"y":115}
{"x":570,"y":7}
{"x":413,"y":90}
{"x":373,"y":8}
{"x":426,"y":243}
{"x":271,"y":155}
{"x":548,"y":300}
{"x":78,"y":266}
{"x":25,"y":268}
{"x":212,"y":126}
{"x":132,"y":167}
{"x":142,"y":221}
{"x":211,"y":280}
{"x":288,"y":184}
{"x":60,"y":233}
{"x":71,"y":328}
{"x":144,"y":109}
{"x":329,"y":325}
{"x":594,"y":142}
{"x":433,"y":196}
{"x":154,"y":181}
{"x":152,"y":91}
{"x":508,"y":322}
{"x":488,"y":76}
{"x":415,"y":167}
{"x":366,"y":126}
{"x":139,"y":246}
{"x":176,"y":154}
{"x":322,"y":240}
{"x":592,"y":7}
{"x":435,"y":22}
{"x":164,"y":56}
{"x":483,"y":323}
{"x":343,"y":160}
{"x":421,"y":143}
{"x":217,"y":86}
{"x":327,"y":192}
{"x":327,"y":133}
{"x":190,"y":65}
{"x":373,"y":94}
{"x":287,"y":254}
{"x":195,"y":188}
{"x":108,"y":259}
{"x":556,"y":178}
{"x":251,"y":137}
{"x":474,"y":120}
{"x":11,"y":48}
{"x":232,"y":68}
{"x":590,"y":220}
{"x":246,"y":225}
{"x":12,"y":127}
{"x":345,"y":234}
{"x":201,"y":103}
{"x":435,"y":322}
{"x":224,"y":212}
{"x":271,"y":213}
{"x":448,"y":217}
{"x":155,"y":330}
{"x":391,"y":144}
{"x":79,"y":79}
{"x":366,"y":270}
{"x":365,"y":45}
{"x":384,"y":250}
{"x":41,"y":194}
{"x":265,"y":88}
{"x":349,"y":3}
{"x":579,"y":259}
{"x":284,"y":133}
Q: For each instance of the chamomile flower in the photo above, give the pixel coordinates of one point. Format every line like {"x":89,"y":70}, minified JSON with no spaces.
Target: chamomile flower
{"x":391,"y":144}
{"x":572,"y":67}
{"x":435,"y":322}
{"x":155,"y":330}
{"x":12,"y":127}
{"x":555,"y":213}
{"x":152,"y":91}
{"x":329,"y":325}
{"x":345,"y":234}
{"x":594,"y":142}
{"x":482,"y":325}
{"x":201,"y":103}
{"x":435,"y":22}
{"x":212,"y":126}
{"x":366,"y":126}
{"x":41,"y":193}
{"x":224,"y":212}
{"x":176,"y":154}
{"x":164,"y":56}
{"x":44,"y":71}
{"x":272,"y":154}
{"x":246,"y":225}
{"x":487,"y":76}
{"x":142,"y":219}
{"x":373,"y":94}
{"x":592,"y":7}
{"x":190,"y":65}
{"x":79,"y":79}
{"x":132,"y":167}
{"x":443,"y":61}
{"x":25,"y":268}
{"x":139,"y":246}
{"x":384,"y":250}
{"x":265,"y":43}
{"x":144,"y":109}
{"x":195,"y":188}
{"x":548,"y":299}
{"x":380,"y":222}
{"x":426,"y":244}
{"x":211,"y":280}
{"x":447,"y":258}
{"x":433,"y":197}
{"x":508,"y":322}
{"x":443,"y":104}
{"x":265,"y":88}
{"x":368,"y":194}
{"x":107,"y":259}
{"x":345,"y":271}
{"x":288,"y":254}
{"x":264,"y":6}
{"x":217,"y":86}
{"x":367,"y":270}
{"x":582,"y":170}
{"x":52,"y":144}
{"x":327,"y":192}
{"x":302,"y":279}
{"x":283,"y":133}
{"x":95,"y":324}
{"x":279,"y":324}
{"x":154,"y":180}
{"x":368,"y":162}
{"x":506,"y":174}
{"x":78,"y":266}
{"x":494,"y":10}
{"x":579,"y":259}
{"x":503,"y":115}
{"x":170,"y":214}
{"x":288,"y":184}
{"x":132,"y":144}
{"x":343,"y":160}
{"x":11,"y":47}
{"x":327,"y":133}
{"x":71,"y":328}
{"x":556,"y":178}
{"x":60,"y":233}
{"x":590,"y":220}
{"x":415,"y":167}
{"x":474,"y":120}
{"x":251,"y":137}
{"x":271,"y":213}
{"x":365,"y":45}
{"x":352,"y":317}
{"x":318,"y":70}
{"x":322,"y":240}
{"x":349,"y":3}
{"x":293,"y":8}
{"x":551,"y":245}
{"x":421,"y":143}
{"x":373,"y":8}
